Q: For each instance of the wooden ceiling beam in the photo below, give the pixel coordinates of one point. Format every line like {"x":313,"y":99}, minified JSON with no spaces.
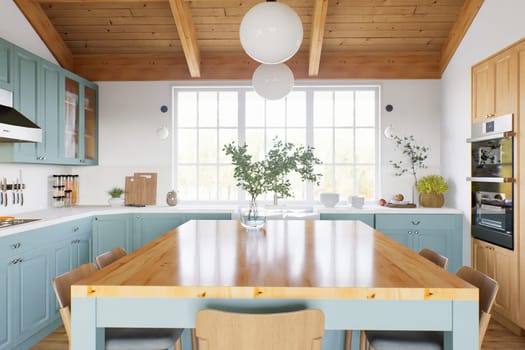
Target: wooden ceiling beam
{"x":363,"y":65}
{"x":316,"y":39}
{"x":459,"y":29}
{"x":47,"y":32}
{"x":90,"y":1}
{"x":187,"y":35}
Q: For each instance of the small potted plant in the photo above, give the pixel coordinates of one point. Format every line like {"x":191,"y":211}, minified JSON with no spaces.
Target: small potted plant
{"x":116,"y":199}
{"x":431,"y":189}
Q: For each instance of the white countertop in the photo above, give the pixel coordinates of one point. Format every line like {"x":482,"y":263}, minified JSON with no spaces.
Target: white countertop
{"x":55,"y":216}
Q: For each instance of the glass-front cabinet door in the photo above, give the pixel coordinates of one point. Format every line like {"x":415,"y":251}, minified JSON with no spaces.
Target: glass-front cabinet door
{"x":90,"y":124}
{"x":80,"y":122}
{"x":72,"y":120}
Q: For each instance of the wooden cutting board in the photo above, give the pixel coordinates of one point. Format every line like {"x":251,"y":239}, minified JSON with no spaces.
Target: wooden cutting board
{"x":141,"y":189}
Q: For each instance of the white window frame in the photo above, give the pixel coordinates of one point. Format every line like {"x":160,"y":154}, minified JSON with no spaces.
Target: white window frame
{"x":242,"y":87}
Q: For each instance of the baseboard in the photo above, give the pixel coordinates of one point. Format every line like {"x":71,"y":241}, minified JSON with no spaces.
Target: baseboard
{"x":511,"y":326}
{"x":35,"y":338}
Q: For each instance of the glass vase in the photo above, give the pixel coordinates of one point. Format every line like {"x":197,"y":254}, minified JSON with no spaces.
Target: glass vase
{"x":252,"y":217}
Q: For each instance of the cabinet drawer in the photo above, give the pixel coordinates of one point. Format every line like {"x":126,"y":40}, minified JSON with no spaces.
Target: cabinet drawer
{"x":419,"y":221}
{"x":19,"y":242}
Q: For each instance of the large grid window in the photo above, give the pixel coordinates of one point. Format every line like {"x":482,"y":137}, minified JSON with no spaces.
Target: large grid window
{"x":340,"y":122}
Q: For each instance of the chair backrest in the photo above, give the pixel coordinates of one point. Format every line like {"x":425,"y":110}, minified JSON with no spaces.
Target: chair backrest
{"x":488,"y":289}
{"x":107,"y":258}
{"x":436,"y":258}
{"x":62,"y":286}
{"x":218,"y":330}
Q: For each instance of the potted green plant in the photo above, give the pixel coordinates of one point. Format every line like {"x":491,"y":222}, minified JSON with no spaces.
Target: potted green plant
{"x":116,"y":199}
{"x":431,"y":189}
{"x":270,"y":174}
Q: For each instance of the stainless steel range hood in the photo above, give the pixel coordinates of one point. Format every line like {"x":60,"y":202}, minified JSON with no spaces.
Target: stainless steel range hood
{"x":14,"y":126}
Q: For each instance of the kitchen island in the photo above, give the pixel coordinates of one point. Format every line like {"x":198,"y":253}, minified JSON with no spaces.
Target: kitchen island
{"x":360,"y":278}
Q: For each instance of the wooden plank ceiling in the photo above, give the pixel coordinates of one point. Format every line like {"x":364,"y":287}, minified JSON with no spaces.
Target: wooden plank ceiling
{"x":110,"y":40}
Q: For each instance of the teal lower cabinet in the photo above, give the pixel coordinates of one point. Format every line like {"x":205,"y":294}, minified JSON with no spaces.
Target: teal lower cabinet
{"x":439,"y":232}
{"x":111,"y":231}
{"x":365,"y":218}
{"x":28,"y":309}
{"x":25,"y":304}
{"x":147,"y":227}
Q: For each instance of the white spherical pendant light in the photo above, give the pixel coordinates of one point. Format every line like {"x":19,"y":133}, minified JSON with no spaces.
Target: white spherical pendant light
{"x":273,"y":81}
{"x":271,"y":32}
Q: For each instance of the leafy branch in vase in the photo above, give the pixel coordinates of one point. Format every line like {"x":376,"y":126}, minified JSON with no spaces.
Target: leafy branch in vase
{"x":415,"y":156}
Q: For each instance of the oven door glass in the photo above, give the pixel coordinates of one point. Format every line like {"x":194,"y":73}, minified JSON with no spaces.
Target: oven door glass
{"x":492,"y":158}
{"x":492,"y":213}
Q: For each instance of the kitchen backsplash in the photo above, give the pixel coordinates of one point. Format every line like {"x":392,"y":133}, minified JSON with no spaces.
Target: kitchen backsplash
{"x":36,"y":180}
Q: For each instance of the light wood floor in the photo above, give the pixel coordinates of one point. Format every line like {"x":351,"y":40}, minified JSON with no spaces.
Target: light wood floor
{"x":497,"y":338}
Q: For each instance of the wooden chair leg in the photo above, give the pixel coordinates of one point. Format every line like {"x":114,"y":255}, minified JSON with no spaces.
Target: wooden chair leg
{"x":348,"y":339}
{"x":194,"y":343}
{"x":362,"y":340}
{"x":177,"y":345}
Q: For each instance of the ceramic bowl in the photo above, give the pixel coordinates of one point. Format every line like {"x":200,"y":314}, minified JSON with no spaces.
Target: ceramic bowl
{"x":356,"y":201}
{"x":329,"y":199}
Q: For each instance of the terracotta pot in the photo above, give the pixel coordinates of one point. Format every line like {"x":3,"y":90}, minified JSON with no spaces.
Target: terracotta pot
{"x":431,"y":200}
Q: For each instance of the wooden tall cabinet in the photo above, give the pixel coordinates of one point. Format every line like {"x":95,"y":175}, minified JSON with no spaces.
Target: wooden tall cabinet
{"x":494,"y":86}
{"x":498,"y":88}
{"x":500,"y":264}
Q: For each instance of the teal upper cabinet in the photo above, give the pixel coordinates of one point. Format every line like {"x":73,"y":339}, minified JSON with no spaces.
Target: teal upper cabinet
{"x":63,"y":104}
{"x":25,"y":99}
{"x":49,"y":112}
{"x":6,"y":65}
{"x":79,"y":124}
{"x":439,"y":232}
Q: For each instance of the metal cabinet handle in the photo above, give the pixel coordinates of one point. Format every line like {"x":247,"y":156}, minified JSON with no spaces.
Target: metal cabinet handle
{"x":416,"y":232}
{"x":409,"y":232}
{"x":415,"y":222}
{"x":16,"y":261}
{"x":16,"y":245}
{"x":76,"y":229}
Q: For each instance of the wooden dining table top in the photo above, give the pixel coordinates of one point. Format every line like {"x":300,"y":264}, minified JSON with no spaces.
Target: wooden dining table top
{"x":287,"y":259}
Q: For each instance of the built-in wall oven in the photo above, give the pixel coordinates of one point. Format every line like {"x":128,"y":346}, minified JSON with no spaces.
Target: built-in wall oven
{"x":492,"y":181}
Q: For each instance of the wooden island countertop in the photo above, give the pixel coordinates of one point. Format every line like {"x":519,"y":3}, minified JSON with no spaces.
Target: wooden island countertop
{"x":344,"y":265}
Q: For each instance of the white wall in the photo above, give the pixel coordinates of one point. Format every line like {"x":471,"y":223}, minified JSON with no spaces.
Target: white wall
{"x":15,"y":28}
{"x":129,"y":114}
{"x":498,"y":24}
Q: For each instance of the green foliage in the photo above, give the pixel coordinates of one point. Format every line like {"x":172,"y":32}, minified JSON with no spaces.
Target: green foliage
{"x":271,"y":173}
{"x":415,"y":156}
{"x":432,"y":183}
{"x":116,"y":192}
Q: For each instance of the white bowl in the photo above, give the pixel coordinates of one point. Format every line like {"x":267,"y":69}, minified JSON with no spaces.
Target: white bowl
{"x":329,"y":199}
{"x":357,"y":201}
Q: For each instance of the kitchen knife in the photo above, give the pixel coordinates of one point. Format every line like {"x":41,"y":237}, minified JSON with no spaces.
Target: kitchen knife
{"x":13,"y":187}
{"x":21,"y":189}
{"x":5,"y":192}
{"x":17,"y":190}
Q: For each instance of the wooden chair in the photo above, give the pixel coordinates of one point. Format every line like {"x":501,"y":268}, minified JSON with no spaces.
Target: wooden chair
{"x":488,"y":288}
{"x":436,"y":258}
{"x":299,"y":330}
{"x":107,"y":258}
{"x":116,"y":338}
